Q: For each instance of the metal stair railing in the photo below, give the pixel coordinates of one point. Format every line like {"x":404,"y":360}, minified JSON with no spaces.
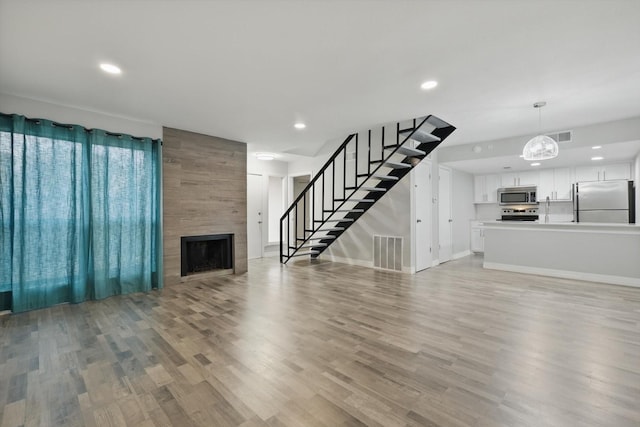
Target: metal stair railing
{"x":307,"y":229}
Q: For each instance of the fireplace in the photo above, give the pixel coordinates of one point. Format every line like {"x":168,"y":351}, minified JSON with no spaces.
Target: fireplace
{"x":205,"y":253}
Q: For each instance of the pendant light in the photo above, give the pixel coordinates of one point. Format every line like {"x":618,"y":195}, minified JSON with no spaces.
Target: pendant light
{"x":540,"y":147}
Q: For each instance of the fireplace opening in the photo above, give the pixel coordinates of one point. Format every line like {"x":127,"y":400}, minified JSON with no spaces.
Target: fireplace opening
{"x":206,"y":253}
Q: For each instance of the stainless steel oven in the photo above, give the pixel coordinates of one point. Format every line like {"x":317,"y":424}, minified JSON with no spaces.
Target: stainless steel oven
{"x":517,"y":196}
{"x":521,"y":214}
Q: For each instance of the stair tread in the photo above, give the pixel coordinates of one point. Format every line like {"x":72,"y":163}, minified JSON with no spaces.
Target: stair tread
{"x":319,"y":238}
{"x":305,"y":253}
{"x":366,"y":189}
{"x":310,"y":245}
{"x":355,"y":200}
{"x":330,"y":229}
{"x":407,"y":151}
{"x":336,"y":220}
{"x":396,"y":165}
{"x":421,"y":136}
{"x":346,"y":210}
{"x":385,"y":177}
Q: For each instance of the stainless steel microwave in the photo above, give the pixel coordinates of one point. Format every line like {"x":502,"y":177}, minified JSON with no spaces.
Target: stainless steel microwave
{"x":517,"y":196}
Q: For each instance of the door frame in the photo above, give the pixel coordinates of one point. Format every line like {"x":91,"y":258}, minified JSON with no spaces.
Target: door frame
{"x":262,"y":216}
{"x":414,"y":218}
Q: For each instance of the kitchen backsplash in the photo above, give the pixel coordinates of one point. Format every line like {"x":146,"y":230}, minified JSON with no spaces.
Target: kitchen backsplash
{"x":559,"y":212}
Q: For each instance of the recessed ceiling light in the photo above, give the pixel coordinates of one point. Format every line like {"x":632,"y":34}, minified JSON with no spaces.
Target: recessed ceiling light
{"x":110,"y":68}
{"x":430,"y":84}
{"x":299,"y":125}
{"x":596,"y":147}
{"x":265,"y":156}
{"x":535,"y":164}
{"x":597,"y":158}
{"x":521,"y":155}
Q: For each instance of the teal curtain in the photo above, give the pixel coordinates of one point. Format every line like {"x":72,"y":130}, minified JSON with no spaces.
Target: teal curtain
{"x":80,"y":213}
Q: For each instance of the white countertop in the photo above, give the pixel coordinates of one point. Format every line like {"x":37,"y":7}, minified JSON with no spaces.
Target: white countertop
{"x":573,"y":226}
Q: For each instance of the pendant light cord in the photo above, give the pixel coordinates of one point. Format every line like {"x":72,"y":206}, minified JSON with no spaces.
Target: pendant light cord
{"x":539,"y":106}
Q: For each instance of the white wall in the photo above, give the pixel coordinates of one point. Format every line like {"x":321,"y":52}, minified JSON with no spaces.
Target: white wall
{"x":266,"y":167}
{"x":10,"y":104}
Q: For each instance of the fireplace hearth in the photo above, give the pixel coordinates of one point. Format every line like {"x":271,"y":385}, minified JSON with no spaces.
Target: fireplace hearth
{"x":206,"y":253}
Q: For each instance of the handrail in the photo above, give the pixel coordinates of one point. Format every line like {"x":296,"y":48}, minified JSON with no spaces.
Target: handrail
{"x":320,"y":178}
{"x":383,"y":159}
{"x":315,"y":178}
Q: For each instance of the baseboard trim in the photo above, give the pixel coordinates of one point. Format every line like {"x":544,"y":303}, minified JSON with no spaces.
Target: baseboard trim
{"x":349,"y":261}
{"x":565,"y":274}
{"x":461,"y":254}
{"x":363,"y":263}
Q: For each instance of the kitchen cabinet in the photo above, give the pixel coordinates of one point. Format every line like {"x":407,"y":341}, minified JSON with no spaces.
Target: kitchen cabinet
{"x":519,"y":179}
{"x":486,"y":188}
{"x":603,"y":172}
{"x":555,"y":184}
{"x":477,"y":239}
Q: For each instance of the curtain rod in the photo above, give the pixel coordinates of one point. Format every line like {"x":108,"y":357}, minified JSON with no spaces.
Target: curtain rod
{"x":70,"y":127}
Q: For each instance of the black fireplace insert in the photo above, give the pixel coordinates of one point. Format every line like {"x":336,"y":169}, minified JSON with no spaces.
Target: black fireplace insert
{"x":205,"y":253}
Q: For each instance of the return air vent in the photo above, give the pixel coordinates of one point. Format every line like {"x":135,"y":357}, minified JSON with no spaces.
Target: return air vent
{"x":387,"y":252}
{"x":562,"y":136}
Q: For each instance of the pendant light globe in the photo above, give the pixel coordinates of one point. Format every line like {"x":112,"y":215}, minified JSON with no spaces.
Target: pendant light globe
{"x":540,"y":147}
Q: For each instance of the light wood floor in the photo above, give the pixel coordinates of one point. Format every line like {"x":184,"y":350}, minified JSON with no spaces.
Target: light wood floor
{"x":332,"y":345}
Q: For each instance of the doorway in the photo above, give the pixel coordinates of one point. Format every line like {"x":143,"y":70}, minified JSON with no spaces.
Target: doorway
{"x":423,"y":221}
{"x":300,"y":182}
{"x":445,"y":222}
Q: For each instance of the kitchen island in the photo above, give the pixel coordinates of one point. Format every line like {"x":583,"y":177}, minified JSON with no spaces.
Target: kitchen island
{"x":606,"y":253}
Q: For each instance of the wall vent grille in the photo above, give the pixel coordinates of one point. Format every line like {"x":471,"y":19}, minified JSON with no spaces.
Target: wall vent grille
{"x":387,"y":252}
{"x":562,"y":136}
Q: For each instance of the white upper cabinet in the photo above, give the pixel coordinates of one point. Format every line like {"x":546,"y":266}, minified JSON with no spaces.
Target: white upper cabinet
{"x":588,"y":173}
{"x":531,"y":178}
{"x":603,"y":172}
{"x":555,"y":184}
{"x":486,"y":188}
{"x":517,"y":179}
{"x":563,"y":182}
{"x":619,"y":171}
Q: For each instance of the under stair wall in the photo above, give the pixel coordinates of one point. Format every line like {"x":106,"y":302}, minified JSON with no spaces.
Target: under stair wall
{"x":355,"y":246}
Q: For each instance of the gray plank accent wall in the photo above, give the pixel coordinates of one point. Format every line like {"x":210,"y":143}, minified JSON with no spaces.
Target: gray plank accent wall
{"x":205,"y":192}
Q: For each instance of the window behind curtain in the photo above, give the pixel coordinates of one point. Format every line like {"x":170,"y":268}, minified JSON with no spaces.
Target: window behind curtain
{"x":79,"y":213}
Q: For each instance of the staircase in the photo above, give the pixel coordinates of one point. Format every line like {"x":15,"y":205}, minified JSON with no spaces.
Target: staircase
{"x":356,"y":176}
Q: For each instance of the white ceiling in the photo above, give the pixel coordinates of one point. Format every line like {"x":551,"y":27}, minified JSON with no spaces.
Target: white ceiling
{"x":248,"y":69}
{"x":618,"y":152}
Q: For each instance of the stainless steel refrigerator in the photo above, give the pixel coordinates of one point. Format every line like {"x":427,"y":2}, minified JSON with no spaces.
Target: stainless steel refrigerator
{"x":604,"y":201}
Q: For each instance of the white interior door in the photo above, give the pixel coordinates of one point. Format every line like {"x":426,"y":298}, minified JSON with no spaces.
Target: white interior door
{"x":254,"y":216}
{"x":445,"y":230}
{"x":422,"y":197}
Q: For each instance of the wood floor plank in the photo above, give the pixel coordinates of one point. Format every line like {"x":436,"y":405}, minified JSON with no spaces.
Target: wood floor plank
{"x":327,"y":344}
